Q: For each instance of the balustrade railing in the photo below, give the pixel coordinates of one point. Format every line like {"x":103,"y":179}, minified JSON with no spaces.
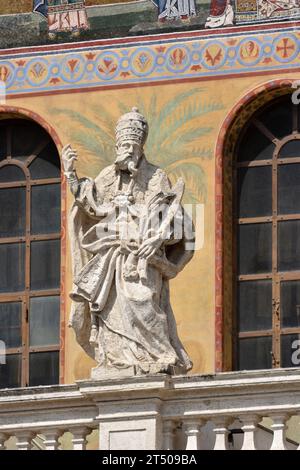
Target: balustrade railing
{"x":239,"y":410}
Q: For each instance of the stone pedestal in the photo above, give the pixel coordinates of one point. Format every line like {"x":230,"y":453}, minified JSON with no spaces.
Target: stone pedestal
{"x":129,"y":411}
{"x":132,"y":434}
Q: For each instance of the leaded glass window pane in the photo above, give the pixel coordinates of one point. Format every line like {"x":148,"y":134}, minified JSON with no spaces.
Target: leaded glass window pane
{"x":44,"y":368}
{"x":45,"y":265}
{"x":11,"y":371}
{"x":290,"y":304}
{"x":290,"y":149}
{"x":47,"y":164}
{"x":255,"y":191}
{"x":11,"y":324}
{"x":44,"y":321}
{"x":289,"y":245}
{"x":12,"y":212}
{"x":45,"y":209}
{"x":255,"y":305}
{"x":12,"y":272}
{"x":255,"y":146}
{"x":255,"y":248}
{"x":289,"y":189}
{"x":255,"y":353}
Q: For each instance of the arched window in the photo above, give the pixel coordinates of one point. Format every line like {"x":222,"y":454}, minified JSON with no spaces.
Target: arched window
{"x":267,"y":211}
{"x":29,"y":254}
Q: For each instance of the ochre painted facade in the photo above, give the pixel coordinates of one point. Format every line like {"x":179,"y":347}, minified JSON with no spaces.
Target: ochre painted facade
{"x":186,"y":102}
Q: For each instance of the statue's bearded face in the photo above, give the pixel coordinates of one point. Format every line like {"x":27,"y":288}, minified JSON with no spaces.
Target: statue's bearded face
{"x":128,"y":154}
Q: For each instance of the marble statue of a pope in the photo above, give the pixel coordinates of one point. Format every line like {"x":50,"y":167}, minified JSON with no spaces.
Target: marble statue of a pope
{"x":124,"y":251}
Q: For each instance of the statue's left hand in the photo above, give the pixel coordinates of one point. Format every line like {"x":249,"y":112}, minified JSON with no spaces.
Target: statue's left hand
{"x":149,"y":247}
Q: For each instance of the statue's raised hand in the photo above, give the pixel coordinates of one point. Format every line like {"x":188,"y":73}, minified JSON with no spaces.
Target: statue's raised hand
{"x":69,"y":157}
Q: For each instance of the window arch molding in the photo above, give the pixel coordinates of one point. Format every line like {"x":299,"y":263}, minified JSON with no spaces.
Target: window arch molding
{"x":18,"y":113}
{"x":225,"y":149}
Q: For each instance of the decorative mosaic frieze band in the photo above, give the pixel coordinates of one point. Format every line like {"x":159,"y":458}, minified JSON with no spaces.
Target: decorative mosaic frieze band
{"x":160,"y":60}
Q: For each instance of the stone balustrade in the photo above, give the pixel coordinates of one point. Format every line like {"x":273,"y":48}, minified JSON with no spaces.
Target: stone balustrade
{"x":237,"y":410}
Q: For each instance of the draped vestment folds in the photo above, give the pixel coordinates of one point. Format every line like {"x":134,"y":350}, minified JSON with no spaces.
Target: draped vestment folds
{"x":129,"y":297}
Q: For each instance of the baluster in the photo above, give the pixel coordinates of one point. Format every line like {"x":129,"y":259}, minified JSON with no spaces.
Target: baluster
{"x":278,"y":427}
{"x":192,"y":432}
{"x":249,"y":427}
{"x":79,"y":437}
{"x":168,"y":432}
{"x":3,"y":438}
{"x":51,"y":438}
{"x":221,"y":432}
{"x":24,"y":439}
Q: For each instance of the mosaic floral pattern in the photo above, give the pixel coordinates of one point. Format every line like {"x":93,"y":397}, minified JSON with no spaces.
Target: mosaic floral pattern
{"x":156,"y":61}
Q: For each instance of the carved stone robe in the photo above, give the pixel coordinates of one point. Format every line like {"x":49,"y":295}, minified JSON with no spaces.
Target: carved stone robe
{"x":130,"y":298}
